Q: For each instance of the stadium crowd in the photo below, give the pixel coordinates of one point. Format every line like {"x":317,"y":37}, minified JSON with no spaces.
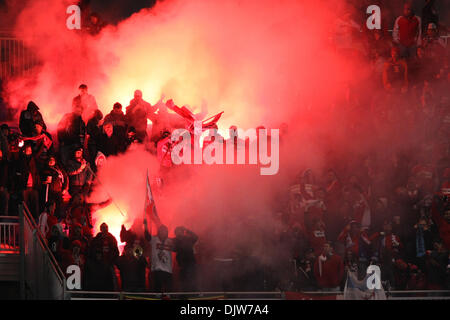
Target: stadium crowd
{"x":385,"y":208}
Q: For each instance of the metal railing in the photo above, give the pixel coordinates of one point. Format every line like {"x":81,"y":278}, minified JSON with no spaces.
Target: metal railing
{"x":41,"y":277}
{"x":391,"y":295}
{"x":15,"y":58}
{"x":9,"y":234}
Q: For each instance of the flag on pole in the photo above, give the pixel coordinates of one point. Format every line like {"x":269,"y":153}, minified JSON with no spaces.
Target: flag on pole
{"x":212,"y":121}
{"x":150,"y":207}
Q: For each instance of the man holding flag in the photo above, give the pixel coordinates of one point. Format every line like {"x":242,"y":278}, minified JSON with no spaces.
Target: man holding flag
{"x":161,"y":246}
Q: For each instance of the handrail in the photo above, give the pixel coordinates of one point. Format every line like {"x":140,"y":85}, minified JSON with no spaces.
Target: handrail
{"x":9,"y":226}
{"x":53,"y":278}
{"x":108,"y":295}
{"x":43,"y":244}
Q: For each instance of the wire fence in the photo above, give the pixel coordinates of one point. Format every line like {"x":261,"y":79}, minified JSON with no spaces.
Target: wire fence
{"x":16,"y":59}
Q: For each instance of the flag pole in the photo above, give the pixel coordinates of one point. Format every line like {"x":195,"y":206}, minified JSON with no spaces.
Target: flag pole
{"x":106,"y":190}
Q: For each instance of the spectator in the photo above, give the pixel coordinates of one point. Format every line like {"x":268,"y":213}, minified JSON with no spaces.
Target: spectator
{"x":94,"y":131}
{"x":81,"y":212}
{"x":378,"y":45}
{"x":73,"y":257}
{"x":71,"y":133}
{"x":306,"y":279}
{"x":136,"y":114}
{"x":429,"y":14}
{"x":132,"y":270}
{"x":94,"y":25}
{"x":387,"y":248}
{"x":97,"y":273}
{"x":131,"y":139}
{"x":161,"y":260}
{"x":56,"y":183}
{"x":43,"y":144}
{"x":432,"y":43}
{"x":57,"y":242}
{"x":4,"y":185}
{"x":117,"y":118}
{"x":27,"y":180}
{"x":184,"y":247}
{"x":329,"y":269}
{"x":407,"y":32}
{"x":85,"y":102}
{"x":80,"y":174}
{"x":395,"y":73}
{"x":111,"y":142}
{"x":28,"y":119}
{"x":107,"y":244}
{"x":4,"y":142}
{"x":436,"y":266}
{"x":440,"y":212}
{"x":47,"y":219}
{"x":76,"y":234}
{"x":316,"y":236}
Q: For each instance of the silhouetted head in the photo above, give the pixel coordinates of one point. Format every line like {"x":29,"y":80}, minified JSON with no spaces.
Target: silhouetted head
{"x":138,"y":95}
{"x":179,"y":232}
{"x":104,"y":228}
{"x":407,"y":9}
{"x":163,"y":232}
{"x":83,"y":89}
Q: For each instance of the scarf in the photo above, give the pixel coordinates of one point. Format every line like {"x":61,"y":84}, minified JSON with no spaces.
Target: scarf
{"x":420,"y":243}
{"x":321,"y":260}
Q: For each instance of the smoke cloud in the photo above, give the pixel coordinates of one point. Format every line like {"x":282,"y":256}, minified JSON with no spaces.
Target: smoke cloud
{"x":262,"y":62}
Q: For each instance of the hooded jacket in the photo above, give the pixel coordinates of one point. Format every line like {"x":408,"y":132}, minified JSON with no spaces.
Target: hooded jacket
{"x":28,"y":118}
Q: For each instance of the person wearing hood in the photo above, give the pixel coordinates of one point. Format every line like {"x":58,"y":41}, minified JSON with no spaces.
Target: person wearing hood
{"x":28,"y":119}
{"x":137,"y":113}
{"x":111,"y":142}
{"x":42,"y":144}
{"x":71,"y":133}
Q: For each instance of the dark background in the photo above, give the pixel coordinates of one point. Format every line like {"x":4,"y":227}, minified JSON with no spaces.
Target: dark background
{"x":113,"y":11}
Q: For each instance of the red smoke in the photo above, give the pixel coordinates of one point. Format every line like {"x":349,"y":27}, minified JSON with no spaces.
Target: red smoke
{"x":262,"y":62}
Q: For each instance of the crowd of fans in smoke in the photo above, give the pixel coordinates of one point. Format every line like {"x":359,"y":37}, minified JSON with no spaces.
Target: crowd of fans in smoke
{"x":389,"y":209}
